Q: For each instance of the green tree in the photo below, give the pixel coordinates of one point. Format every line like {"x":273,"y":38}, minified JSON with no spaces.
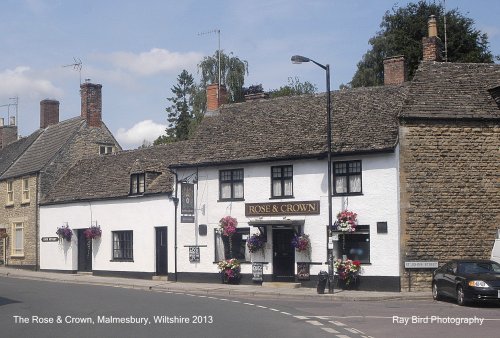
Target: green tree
{"x":180,"y":113}
{"x":233,"y":71}
{"x":294,"y":87}
{"x":402,"y":30}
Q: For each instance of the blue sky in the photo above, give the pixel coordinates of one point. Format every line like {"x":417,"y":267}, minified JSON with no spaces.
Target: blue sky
{"x":136,"y":49}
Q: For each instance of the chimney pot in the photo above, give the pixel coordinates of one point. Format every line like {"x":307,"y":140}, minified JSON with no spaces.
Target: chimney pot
{"x":91,"y":98}
{"x":432,"y":26}
{"x":395,"y":71}
{"x":49,"y":112}
{"x":431,"y":45}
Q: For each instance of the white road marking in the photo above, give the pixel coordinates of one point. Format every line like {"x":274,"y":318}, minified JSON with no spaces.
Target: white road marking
{"x":286,"y":313}
{"x":301,"y":317}
{"x":274,"y":309}
{"x":336,"y":323}
{"x":329,"y":330}
{"x":314,"y":322}
{"x":249,"y":304}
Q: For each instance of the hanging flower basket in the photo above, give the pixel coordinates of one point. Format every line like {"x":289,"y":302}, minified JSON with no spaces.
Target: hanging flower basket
{"x":94,"y":232}
{"x":228,"y":225}
{"x":301,"y":243}
{"x":346,"y":221}
{"x":64,"y":232}
{"x":256,"y":242}
{"x":230,"y":271}
{"x":347,"y":271}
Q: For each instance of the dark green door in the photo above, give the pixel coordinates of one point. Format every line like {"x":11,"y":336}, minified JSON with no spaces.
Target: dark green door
{"x":84,"y":252}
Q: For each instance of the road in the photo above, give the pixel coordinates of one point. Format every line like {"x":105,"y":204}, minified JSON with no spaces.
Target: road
{"x":31,"y":308}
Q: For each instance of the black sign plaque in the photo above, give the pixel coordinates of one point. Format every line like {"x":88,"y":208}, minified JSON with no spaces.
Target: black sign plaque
{"x":257,"y":271}
{"x":50,"y":239}
{"x":187,"y":198}
{"x":194,"y":254}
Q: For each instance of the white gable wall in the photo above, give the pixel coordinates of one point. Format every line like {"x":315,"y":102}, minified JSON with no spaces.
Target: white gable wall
{"x":139,"y":214}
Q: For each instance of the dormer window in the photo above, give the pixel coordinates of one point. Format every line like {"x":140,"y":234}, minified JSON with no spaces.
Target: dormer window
{"x":106,"y":149}
{"x":137,"y":184}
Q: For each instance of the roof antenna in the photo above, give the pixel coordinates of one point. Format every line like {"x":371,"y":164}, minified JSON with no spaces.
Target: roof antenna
{"x":216,"y":31}
{"x":445,"y":36}
{"x":77,"y":65}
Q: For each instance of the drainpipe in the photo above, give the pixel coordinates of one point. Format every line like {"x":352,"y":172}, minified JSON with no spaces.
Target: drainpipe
{"x":37,"y":220}
{"x":176,"y":203}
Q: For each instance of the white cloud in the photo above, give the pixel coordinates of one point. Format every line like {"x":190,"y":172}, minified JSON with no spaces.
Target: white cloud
{"x":21,"y":81}
{"x":143,"y":130}
{"x":155,"y":61}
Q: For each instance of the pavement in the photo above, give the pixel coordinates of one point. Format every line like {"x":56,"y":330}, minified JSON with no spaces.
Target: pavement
{"x":268,"y":290}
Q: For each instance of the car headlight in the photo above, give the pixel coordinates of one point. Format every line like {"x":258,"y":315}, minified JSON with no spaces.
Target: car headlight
{"x":478,"y":284}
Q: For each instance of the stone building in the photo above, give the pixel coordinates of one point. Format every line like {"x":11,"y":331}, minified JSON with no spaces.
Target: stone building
{"x":32,"y":166}
{"x":450,"y":163}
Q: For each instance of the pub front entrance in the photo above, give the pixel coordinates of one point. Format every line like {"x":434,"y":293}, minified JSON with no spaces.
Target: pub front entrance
{"x":283,"y":255}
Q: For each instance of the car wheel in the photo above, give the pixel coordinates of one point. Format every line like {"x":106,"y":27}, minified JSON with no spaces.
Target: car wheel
{"x":461,"y":296}
{"x":435,"y":292}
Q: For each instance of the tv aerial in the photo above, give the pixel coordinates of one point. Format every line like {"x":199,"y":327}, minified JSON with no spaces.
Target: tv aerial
{"x":77,"y":65}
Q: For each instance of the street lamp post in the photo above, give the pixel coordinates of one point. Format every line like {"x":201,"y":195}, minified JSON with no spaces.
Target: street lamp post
{"x":300,"y":59}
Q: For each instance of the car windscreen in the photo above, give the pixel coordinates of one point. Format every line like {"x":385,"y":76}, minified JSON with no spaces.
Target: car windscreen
{"x":478,"y":267}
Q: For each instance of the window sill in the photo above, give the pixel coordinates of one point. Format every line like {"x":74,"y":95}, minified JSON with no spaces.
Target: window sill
{"x":25,"y":202}
{"x":231,"y":200}
{"x":9,"y":204}
{"x":349,"y":194}
{"x":121,"y":260}
{"x":241,"y":262}
{"x":281,"y":197}
{"x":17,"y":256}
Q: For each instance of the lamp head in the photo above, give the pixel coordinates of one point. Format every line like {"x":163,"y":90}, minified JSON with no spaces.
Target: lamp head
{"x":296,"y":59}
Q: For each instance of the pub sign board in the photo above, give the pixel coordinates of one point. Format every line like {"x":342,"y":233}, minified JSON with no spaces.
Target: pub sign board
{"x":187,"y":198}
{"x":282,"y":208}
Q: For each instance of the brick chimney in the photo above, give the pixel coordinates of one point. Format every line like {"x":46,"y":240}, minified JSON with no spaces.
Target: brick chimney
{"x":49,"y":112}
{"x":395,"y":71}
{"x":432,"y":45}
{"x":215,"y":98}
{"x":91,"y":103}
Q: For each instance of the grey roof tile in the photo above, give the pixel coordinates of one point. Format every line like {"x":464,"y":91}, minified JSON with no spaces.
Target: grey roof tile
{"x":108,"y":176}
{"x":363,"y":120}
{"x":44,"y":148}
{"x":453,"y":90}
{"x":13,"y":151}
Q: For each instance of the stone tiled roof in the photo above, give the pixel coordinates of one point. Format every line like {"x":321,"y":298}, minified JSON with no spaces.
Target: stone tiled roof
{"x":453,"y":90}
{"x":13,"y":151}
{"x":44,"y":148}
{"x":363,"y":120}
{"x":108,"y":176}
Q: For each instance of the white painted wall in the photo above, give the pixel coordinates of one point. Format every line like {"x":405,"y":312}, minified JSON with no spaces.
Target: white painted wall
{"x":139,"y":214}
{"x":379,"y":203}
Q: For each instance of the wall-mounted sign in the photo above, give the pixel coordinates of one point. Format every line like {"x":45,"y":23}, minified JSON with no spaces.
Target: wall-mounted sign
{"x":194,"y":254}
{"x":187,"y":219}
{"x":50,"y":239}
{"x":282,"y":208}
{"x":257,"y":271}
{"x":187,"y":198}
{"x":421,"y":265}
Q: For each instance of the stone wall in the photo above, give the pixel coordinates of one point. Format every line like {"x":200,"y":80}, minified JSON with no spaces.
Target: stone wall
{"x":25,"y":213}
{"x":450,"y":194}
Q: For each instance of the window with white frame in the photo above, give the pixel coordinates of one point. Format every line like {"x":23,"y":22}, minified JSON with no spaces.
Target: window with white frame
{"x":347,"y":178}
{"x":232,"y":247}
{"x":106,"y":149}
{"x":26,"y":190}
{"x":10,"y":193}
{"x":231,"y":184}
{"x":123,"y":245}
{"x":137,"y":184}
{"x":17,"y":239}
{"x":282,"y":181}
